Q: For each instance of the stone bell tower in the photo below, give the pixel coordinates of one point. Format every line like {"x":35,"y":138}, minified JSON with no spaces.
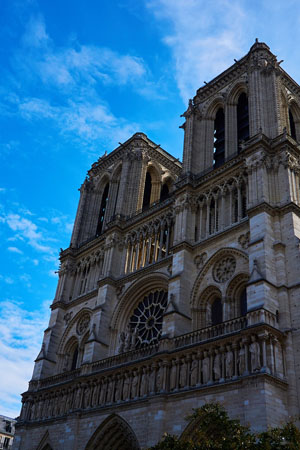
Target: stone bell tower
{"x":181,"y":282}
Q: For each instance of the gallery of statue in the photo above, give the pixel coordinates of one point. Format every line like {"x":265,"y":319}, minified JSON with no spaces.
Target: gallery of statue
{"x":181,"y":284}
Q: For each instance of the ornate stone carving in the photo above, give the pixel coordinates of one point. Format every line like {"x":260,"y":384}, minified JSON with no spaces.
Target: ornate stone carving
{"x":254,"y":350}
{"x":121,"y":344}
{"x":199,"y":260}
{"x":83,"y":324}
{"x":194,"y":371}
{"x":224,"y":269}
{"x":144,"y":383}
{"x":135,"y":384}
{"x":205,"y":368}
{"x":173,"y":372}
{"x":159,"y":378}
{"x":217,"y":366}
{"x":68,"y":317}
{"x":183,"y":374}
{"x":229,"y":362}
{"x":126,"y":387}
{"x":244,"y":240}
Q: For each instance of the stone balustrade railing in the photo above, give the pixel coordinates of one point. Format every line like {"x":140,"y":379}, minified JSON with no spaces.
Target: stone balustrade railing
{"x":227,"y":327}
{"x":256,"y":350}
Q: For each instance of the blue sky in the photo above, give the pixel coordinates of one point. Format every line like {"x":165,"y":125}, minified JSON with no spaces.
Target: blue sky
{"x":77,"y":78}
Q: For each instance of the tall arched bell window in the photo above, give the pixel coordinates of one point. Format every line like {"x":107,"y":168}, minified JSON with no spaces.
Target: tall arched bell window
{"x":164,"y":193}
{"x":102,"y":209}
{"x":219,"y":138}
{"x":292,"y":125}
{"x":242,"y":120}
{"x":147,"y":191}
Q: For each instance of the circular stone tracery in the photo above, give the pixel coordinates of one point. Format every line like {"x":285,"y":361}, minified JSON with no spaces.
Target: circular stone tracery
{"x":224,"y":269}
{"x":146,"y":320}
{"x":83,"y":324}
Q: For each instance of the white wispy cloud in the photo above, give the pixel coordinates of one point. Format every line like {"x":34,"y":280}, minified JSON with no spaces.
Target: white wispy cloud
{"x":27,"y":230}
{"x":204,"y":37}
{"x":77,"y":74}
{"x":15,"y":250}
{"x":6,"y":279}
{"x":21,"y":333}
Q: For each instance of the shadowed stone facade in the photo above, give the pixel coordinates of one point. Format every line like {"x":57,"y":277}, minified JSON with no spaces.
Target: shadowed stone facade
{"x":181,"y":282}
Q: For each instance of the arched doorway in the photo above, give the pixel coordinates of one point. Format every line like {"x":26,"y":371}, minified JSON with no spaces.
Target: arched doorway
{"x":113,"y":434}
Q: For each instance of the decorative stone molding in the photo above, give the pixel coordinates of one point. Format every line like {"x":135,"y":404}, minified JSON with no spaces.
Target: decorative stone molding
{"x":224,"y":269}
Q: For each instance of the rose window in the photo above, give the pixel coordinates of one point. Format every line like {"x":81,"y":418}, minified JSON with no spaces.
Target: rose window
{"x":146,"y":321}
{"x":224,"y":269}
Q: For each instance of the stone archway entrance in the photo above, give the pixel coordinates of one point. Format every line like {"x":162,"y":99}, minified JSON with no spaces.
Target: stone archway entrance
{"x":113,"y":434}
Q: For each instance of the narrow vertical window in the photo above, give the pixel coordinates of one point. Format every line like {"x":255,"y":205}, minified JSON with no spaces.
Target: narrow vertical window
{"x":244,"y":201}
{"x":212,"y":217}
{"x":219,"y":138}
{"x":102,"y":209}
{"x":292,"y":125}
{"x":243,"y":302}
{"x":216,"y":312}
{"x":147,"y":191}
{"x":74,"y":358}
{"x":242,"y":120}
{"x":164,"y":193}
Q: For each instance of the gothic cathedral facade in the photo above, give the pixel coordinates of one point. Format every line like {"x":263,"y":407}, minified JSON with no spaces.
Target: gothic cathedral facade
{"x":181,"y":284}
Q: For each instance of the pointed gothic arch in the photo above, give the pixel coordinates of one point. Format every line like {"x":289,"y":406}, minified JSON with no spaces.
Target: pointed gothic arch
{"x":115,"y":434}
{"x":205,"y":279}
{"x":71,"y":340}
{"x":45,"y":443}
{"x":190,"y":433}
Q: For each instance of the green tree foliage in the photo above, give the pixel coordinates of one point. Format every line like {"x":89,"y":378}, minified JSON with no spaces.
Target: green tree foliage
{"x":210,"y":428}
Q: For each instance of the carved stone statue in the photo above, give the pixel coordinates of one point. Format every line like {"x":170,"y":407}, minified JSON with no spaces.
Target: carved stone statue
{"x":69,"y":400}
{"x":205,"y":368}
{"x":152,"y":379}
{"x":126,"y":387}
{"x":194,"y":371}
{"x":121,"y":344}
{"x":102,"y":392}
{"x":241,"y":360}
{"x":229,"y":362}
{"x":128,"y":338}
{"x":85,"y":396}
{"x":144,"y":383}
{"x":63,"y":403}
{"x":134,"y":339}
{"x":77,"y":402}
{"x":217,"y":365}
{"x":173,"y":372}
{"x":159,"y":378}
{"x":94,"y":395}
{"x":183,"y":374}
{"x":109,"y":390}
{"x":32,"y":411}
{"x":118,"y":390}
{"x":255,"y":354}
{"x":135,"y":384}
